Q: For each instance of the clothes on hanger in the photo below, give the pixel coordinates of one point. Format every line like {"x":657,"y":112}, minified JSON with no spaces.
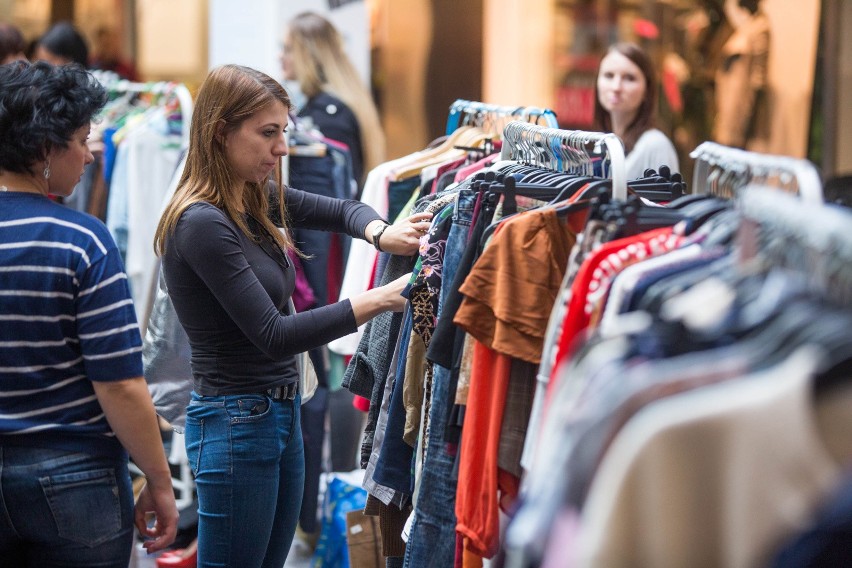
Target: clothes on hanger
{"x":693,"y":431}
{"x":139,"y":139}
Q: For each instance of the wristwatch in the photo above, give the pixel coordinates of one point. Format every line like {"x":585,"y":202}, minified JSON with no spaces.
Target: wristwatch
{"x":377,"y":233}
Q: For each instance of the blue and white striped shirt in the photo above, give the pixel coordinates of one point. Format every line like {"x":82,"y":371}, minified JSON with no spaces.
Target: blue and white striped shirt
{"x":66,"y":319}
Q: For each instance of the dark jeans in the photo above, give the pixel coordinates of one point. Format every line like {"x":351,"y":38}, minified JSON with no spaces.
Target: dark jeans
{"x":399,"y":193}
{"x":61,"y":508}
{"x":393,"y":468}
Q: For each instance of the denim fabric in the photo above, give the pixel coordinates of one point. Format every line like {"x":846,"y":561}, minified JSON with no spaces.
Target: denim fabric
{"x":432,"y":537}
{"x":345,"y":184}
{"x":248,"y":459}
{"x":393,"y":468}
{"x":371,"y":361}
{"x":384,"y":494}
{"x":61,"y":508}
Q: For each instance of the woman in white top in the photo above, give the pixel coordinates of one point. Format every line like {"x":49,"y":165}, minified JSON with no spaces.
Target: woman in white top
{"x":625,"y":103}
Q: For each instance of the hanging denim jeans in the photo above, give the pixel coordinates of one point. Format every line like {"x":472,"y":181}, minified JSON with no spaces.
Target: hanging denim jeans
{"x":432,"y":538}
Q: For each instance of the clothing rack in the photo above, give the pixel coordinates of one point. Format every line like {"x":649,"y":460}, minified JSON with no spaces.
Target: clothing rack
{"x":565,"y":149}
{"x":735,"y":168}
{"x":116,"y":85}
{"x":809,"y":238}
{"x":474,"y":112}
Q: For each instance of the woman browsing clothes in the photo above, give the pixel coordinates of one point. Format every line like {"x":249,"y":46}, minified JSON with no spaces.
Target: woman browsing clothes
{"x":625,"y":104}
{"x":228,"y":276}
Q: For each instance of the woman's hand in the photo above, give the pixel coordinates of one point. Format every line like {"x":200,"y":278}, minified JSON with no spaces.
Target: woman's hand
{"x":402,"y":238}
{"x":387,"y":298}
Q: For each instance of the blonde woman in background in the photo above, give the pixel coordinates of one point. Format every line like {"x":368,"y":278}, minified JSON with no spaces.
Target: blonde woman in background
{"x":337,"y":100}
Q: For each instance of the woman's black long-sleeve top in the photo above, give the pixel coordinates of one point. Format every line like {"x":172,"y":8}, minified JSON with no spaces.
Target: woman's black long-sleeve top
{"x":231,"y":292}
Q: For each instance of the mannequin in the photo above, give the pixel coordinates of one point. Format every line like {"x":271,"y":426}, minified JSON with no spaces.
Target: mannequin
{"x":742,"y":75}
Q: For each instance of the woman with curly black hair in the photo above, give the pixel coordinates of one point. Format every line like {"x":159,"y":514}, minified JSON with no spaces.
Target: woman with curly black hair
{"x":73,"y":402}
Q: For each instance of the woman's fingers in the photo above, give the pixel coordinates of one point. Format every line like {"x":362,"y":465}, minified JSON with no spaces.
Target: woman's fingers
{"x":417,"y":217}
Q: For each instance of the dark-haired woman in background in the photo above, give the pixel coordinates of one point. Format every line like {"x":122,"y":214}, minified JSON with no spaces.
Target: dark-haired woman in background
{"x":73,"y":402}
{"x":62,"y":44}
{"x":625,"y":104}
{"x":12,"y":44}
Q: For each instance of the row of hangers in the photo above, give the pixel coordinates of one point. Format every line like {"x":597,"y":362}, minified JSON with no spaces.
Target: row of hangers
{"x":566,"y":150}
{"x":719,"y":170}
{"x":165,"y":91}
{"x":723,"y":171}
{"x":781,"y":195}
{"x":472,"y":128}
{"x":474,"y":113}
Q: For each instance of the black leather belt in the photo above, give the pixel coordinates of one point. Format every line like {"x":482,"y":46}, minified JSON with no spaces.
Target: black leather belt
{"x":283,"y":392}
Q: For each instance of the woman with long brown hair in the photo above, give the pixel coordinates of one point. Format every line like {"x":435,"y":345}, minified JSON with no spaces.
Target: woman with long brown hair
{"x":223,"y":239}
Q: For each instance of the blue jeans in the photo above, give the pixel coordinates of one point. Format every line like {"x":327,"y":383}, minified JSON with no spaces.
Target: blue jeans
{"x":432,"y":539}
{"x":249,"y":464}
{"x":61,"y":508}
{"x":393,"y":466}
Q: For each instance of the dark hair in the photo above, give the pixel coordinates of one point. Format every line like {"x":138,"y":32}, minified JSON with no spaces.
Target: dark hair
{"x":64,"y":40}
{"x":11,"y":41}
{"x":646,"y":114}
{"x":41,"y":106}
{"x":750,"y":5}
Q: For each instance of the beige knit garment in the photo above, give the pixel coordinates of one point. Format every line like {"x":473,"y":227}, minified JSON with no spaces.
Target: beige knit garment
{"x":717,"y":477}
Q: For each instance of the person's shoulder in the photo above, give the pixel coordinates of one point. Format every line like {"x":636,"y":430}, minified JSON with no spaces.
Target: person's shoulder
{"x":654,"y":135}
{"x":70,"y":226}
{"x":202,"y":211}
{"x":79,"y":221}
{"x":203,"y":218}
{"x":327,"y":102}
{"x":326,"y":105}
{"x":654,"y":138}
{"x":200,"y":226}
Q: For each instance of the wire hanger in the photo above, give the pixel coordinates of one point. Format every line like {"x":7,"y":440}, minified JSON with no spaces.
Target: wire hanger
{"x":735,"y":168}
{"x":565,"y":150}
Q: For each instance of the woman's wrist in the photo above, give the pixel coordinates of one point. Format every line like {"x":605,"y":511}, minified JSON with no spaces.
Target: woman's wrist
{"x":375,"y":230}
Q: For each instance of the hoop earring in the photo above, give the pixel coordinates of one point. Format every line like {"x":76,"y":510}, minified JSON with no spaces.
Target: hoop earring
{"x":46,"y":171}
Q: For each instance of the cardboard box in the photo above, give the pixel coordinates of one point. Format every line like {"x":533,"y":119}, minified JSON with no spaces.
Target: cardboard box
{"x":364,"y":541}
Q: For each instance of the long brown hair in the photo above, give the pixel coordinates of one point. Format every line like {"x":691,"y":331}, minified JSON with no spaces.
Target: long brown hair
{"x":229,"y":95}
{"x":321,"y":65}
{"x":646,"y":115}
